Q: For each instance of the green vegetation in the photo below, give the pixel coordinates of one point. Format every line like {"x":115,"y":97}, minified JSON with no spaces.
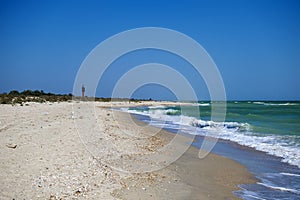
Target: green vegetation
{"x":16,"y":97}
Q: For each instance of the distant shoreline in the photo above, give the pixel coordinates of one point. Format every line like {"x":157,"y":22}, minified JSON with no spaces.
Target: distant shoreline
{"x":39,"y":96}
{"x":15,"y":97}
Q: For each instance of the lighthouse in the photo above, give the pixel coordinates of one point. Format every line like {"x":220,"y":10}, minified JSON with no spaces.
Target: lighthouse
{"x":82,"y":91}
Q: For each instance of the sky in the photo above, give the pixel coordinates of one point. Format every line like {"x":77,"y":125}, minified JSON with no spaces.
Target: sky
{"x":254,"y":43}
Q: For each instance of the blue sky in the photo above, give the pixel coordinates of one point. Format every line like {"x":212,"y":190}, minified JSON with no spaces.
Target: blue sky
{"x":255,"y":44}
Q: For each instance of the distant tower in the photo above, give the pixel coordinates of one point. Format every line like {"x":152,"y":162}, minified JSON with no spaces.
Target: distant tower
{"x":83,"y":90}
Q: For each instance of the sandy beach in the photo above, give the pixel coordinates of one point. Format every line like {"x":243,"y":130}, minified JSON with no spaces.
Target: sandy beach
{"x":43,"y":157}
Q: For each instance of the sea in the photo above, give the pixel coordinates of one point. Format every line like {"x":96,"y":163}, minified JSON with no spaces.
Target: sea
{"x":264,"y":136}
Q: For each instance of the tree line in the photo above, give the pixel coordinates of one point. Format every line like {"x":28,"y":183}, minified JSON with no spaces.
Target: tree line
{"x":16,"y":97}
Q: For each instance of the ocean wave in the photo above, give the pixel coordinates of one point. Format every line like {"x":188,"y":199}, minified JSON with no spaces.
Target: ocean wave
{"x":246,"y":194}
{"x":220,"y":125}
{"x":289,"y":174}
{"x":173,"y":115}
{"x":271,"y":144}
{"x":275,"y":104}
{"x":156,"y":107}
{"x":241,"y":133}
{"x":280,"y":188}
{"x":258,"y":102}
{"x":203,"y":104}
{"x":281,"y":104}
{"x":158,"y":113}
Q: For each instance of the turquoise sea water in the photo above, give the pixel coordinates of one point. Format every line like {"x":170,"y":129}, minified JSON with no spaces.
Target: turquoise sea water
{"x":272,"y":128}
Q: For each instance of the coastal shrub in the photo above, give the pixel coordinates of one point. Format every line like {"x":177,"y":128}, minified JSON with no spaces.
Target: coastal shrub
{"x":5,"y":100}
{"x":15,"y":97}
{"x":14,"y":93}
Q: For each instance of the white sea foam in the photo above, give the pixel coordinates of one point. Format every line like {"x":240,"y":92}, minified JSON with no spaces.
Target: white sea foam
{"x":280,"y":146}
{"x":280,"y":188}
{"x":289,"y":174}
{"x":275,"y":104}
{"x":258,"y":102}
{"x":200,"y":104}
{"x":250,"y":194}
{"x":156,"y":107}
{"x":203,"y":104}
{"x":280,"y":104}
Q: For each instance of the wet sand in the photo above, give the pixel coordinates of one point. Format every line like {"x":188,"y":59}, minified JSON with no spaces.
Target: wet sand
{"x":213,"y":177}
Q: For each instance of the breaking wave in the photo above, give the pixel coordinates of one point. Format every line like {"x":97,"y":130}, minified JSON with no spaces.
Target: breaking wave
{"x":284,"y":147}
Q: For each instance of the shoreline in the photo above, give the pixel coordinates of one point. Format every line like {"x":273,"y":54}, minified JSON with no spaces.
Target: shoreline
{"x":214,"y":177}
{"x":50,"y":161}
{"x":272,"y":175}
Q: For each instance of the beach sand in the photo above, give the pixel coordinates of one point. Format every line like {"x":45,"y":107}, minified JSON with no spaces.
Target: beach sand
{"x":42,"y":156}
